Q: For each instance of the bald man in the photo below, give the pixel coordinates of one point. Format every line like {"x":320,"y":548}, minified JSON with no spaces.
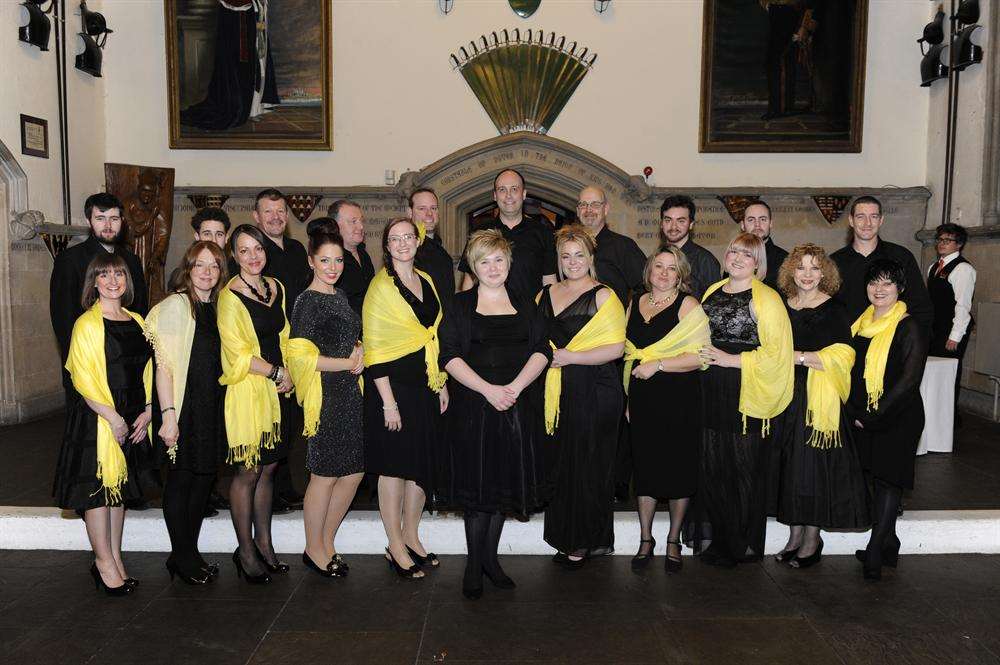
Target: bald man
{"x":619,"y":261}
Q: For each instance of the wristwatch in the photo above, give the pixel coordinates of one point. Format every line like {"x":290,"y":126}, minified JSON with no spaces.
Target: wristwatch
{"x":659,"y":365}
{"x":802,"y":359}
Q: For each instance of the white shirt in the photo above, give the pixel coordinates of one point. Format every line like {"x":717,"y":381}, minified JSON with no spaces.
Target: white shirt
{"x":963,"y":282}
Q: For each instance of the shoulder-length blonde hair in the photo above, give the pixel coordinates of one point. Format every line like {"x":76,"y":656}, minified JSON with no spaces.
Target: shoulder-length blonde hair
{"x":105,"y":261}
{"x":183,"y":278}
{"x":680,"y":260}
{"x":579,"y":234}
{"x":486,"y":242}
{"x":828,"y":284}
{"x":751,"y":243}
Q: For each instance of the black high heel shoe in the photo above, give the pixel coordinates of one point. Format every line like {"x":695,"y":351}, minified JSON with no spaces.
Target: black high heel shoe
{"x":263,"y":578}
{"x":193,"y":580}
{"x":812,"y":559}
{"x":313,"y":566}
{"x":99,"y":584}
{"x":673,"y":564}
{"x":336,"y":564}
{"x":562,"y":559}
{"x":412,"y":573}
{"x":784,"y":556}
{"x":278,"y":567}
{"x":132,"y":582}
{"x":212,"y":569}
{"x":890,"y":554}
{"x":430,"y":560}
{"x":642,"y":560}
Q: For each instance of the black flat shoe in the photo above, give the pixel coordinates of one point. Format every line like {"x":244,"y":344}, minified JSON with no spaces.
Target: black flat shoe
{"x":641,"y":560}
{"x":811,"y":560}
{"x":99,"y":584}
{"x":423,"y":561}
{"x":263,"y":578}
{"x":338,"y":562}
{"x":311,"y":565}
{"x":412,"y":573}
{"x":132,"y":582}
{"x":563,"y":560}
{"x":784,"y":556}
{"x":673,"y":564}
{"x":194,"y":580}
{"x":278,"y":567}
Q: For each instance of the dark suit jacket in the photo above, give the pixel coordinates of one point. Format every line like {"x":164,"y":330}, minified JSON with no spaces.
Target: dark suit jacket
{"x":435,"y":260}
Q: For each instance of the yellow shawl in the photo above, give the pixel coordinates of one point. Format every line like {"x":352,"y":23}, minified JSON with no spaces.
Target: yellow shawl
{"x":252,"y":411}
{"x":826,"y":390}
{"x":767,"y":377}
{"x":607,"y":326}
{"x":881,"y":332}
{"x":170,"y":331}
{"x":689,"y":335}
{"x":88,"y":368}
{"x":390,"y":329}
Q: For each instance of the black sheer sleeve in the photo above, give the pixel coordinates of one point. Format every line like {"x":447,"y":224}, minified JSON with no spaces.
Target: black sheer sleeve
{"x":910,"y":344}
{"x":305,"y":317}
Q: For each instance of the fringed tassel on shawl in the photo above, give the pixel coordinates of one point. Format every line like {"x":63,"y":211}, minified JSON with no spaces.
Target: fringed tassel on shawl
{"x":249,"y":455}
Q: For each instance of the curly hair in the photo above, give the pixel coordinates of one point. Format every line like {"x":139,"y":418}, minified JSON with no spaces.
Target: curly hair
{"x":828,"y":284}
{"x":579,"y":234}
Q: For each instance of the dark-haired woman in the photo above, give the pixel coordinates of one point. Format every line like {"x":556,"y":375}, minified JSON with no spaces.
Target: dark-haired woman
{"x":183,"y":331}
{"x":254,"y":333}
{"x":326,"y":359}
{"x":406,"y":395}
{"x":109,"y":364}
{"x":885,"y":404}
{"x":819,"y":483}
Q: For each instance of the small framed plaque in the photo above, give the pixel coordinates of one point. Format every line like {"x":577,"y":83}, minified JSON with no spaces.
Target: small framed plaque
{"x":34,"y":136}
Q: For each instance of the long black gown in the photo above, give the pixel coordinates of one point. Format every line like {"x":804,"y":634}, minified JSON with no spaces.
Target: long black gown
{"x":268,"y":322}
{"x":496,"y":456}
{"x":76,"y":487}
{"x":887,"y":444}
{"x":814,"y":486}
{"x":730,"y":508}
{"x":664,"y":415}
{"x":581,"y":452}
{"x":415,"y":451}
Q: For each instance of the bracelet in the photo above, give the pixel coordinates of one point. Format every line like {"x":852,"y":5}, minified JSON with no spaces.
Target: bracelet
{"x":659,"y":365}
{"x":169,"y":408}
{"x":391,"y":407}
{"x":149,"y":404}
{"x":802,"y":359}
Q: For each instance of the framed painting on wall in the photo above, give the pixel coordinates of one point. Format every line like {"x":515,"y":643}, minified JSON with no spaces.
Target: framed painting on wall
{"x":783,"y":75}
{"x":249,"y":74}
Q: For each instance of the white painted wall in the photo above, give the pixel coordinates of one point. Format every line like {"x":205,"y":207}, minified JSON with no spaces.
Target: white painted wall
{"x":29,"y":87}
{"x":398,"y":105}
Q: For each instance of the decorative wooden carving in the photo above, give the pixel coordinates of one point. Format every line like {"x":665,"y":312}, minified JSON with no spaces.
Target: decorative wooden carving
{"x":831,"y":206}
{"x":202,"y":200}
{"x":737,"y":205}
{"x":147,"y":195}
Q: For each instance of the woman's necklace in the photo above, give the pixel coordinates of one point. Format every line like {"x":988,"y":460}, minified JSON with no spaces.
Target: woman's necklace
{"x":656,"y":303}
{"x":266,"y":298}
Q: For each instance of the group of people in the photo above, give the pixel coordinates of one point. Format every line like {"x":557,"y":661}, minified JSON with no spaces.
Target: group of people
{"x":776,"y":383}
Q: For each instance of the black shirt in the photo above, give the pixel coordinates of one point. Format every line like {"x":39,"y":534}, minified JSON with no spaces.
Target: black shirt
{"x":619,"y":263}
{"x":290,"y":266}
{"x":534,"y":254}
{"x":435,"y":260}
{"x":705,"y":268}
{"x":854,"y":291}
{"x":356,"y":277}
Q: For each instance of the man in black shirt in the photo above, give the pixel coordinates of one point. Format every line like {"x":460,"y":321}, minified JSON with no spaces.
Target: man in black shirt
{"x":286,"y":257}
{"x":432,"y":257}
{"x":358,"y":268}
{"x":852,"y":261}
{"x":533,"y":263}
{"x":618,"y":260}
{"x":757,"y":220}
{"x":676,"y":220}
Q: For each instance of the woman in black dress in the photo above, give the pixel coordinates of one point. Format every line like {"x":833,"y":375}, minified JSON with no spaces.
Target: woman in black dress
{"x":885,"y":405}
{"x":494,"y":346}
{"x":109,"y":363}
{"x":254,"y":333}
{"x":183,"y":331}
{"x":336,"y":456}
{"x":661,"y":373}
{"x":405,"y":395}
{"x":749,"y":381}
{"x":819,"y":483}
{"x":582,"y":448}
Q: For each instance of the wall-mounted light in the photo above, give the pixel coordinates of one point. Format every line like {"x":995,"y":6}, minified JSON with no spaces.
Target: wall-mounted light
{"x":95,"y":36}
{"x":39,"y":27}
{"x":446,"y":5}
{"x":601,"y":6}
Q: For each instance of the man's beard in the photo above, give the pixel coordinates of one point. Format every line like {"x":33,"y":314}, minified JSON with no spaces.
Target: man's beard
{"x":117,"y":241}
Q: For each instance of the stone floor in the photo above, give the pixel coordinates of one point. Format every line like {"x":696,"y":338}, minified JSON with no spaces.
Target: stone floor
{"x":932,"y":609}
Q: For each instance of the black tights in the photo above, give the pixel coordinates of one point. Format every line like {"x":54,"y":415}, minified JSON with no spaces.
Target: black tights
{"x":185,"y":497}
{"x":887,"y":499}
{"x":482,"y":540}
{"x":250,"y":497}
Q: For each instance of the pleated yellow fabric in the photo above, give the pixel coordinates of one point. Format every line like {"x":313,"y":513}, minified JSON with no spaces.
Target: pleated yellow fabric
{"x":302,"y":358}
{"x":826,"y":390}
{"x":767,"y":376}
{"x":689,"y":335}
{"x":881,"y":332}
{"x":390,"y":329}
{"x":606,"y":327}
{"x":252,"y":410}
{"x":87,"y":366}
{"x":170,"y":329}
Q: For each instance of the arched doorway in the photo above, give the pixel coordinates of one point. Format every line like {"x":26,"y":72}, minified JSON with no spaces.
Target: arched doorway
{"x":555,"y":214}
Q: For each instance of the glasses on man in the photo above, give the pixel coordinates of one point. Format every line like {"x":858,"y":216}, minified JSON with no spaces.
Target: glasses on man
{"x":592,"y":205}
{"x":406,"y":237}
{"x":945,"y":240}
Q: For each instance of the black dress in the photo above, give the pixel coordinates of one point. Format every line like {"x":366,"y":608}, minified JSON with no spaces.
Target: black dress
{"x":76,"y":485}
{"x":814,"y":486}
{"x":731,"y":505}
{"x":496,"y":462}
{"x":202,"y":443}
{"x":581,"y":453}
{"x":664,"y":415}
{"x":268,"y":322}
{"x":887,"y":444}
{"x":327,"y":320}
{"x":415,"y":451}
